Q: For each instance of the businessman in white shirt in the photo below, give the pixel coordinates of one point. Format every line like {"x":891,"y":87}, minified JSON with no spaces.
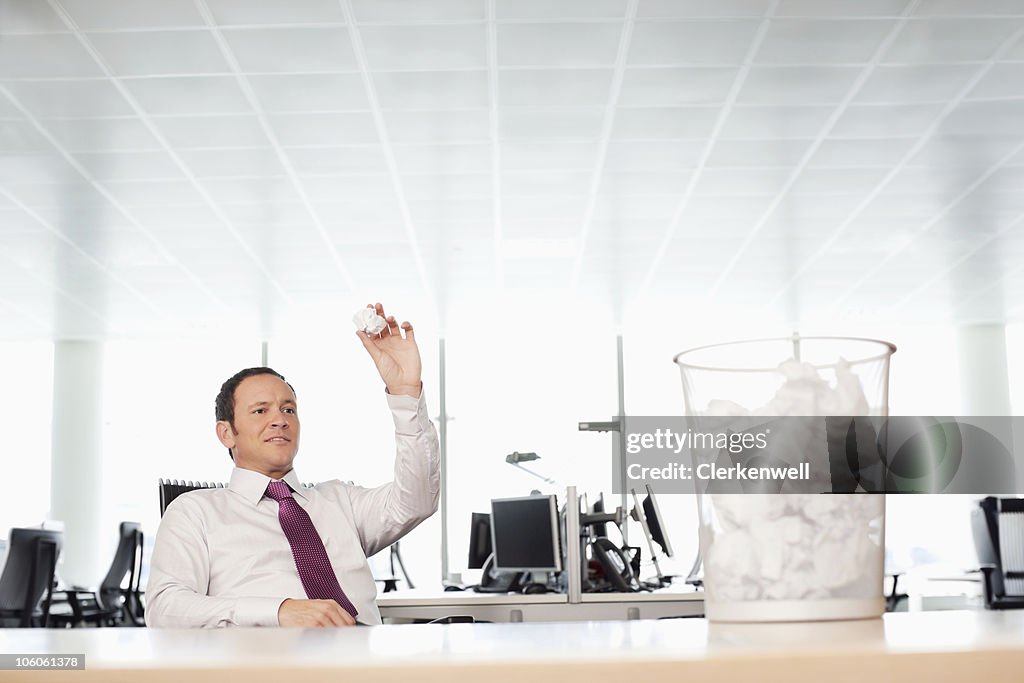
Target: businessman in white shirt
{"x":222,"y":556}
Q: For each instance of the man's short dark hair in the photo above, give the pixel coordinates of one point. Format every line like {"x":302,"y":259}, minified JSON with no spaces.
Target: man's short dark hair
{"x":224,"y":407}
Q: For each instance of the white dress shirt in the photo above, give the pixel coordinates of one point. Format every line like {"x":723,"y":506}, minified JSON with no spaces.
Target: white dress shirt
{"x":221,"y":558}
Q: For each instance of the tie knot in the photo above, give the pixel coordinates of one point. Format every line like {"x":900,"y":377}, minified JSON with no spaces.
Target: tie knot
{"x":278,"y":490}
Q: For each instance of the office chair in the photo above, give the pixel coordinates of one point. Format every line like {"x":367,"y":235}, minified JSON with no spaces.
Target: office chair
{"x":27,"y":578}
{"x":172,"y":488}
{"x":112,"y":605}
{"x":998,"y":528}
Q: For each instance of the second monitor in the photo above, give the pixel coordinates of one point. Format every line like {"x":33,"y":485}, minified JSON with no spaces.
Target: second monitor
{"x":524,"y":534}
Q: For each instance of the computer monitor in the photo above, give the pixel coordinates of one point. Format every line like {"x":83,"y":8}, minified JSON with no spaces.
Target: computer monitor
{"x":655,"y":522}
{"x":479,"y":540}
{"x":524,"y":534}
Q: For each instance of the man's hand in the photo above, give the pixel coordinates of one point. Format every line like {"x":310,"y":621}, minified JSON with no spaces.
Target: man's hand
{"x":312,"y":613}
{"x":397,"y":358}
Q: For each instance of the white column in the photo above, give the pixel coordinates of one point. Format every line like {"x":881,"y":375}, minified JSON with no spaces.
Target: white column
{"x":984,"y":378}
{"x":76,"y":475}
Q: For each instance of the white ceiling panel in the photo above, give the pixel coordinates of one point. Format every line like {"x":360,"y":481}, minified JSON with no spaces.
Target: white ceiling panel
{"x":564,"y":45}
{"x":547,"y":156}
{"x":1001,"y":81}
{"x":542,"y":10}
{"x":324,"y":129}
{"x":337,"y":159}
{"x":789,"y":85}
{"x":150,"y":165}
{"x":188,"y":95}
{"x":28,"y":16}
{"x":411,"y":11}
{"x":841,"y":8}
{"x":425,"y":47}
{"x":806,"y":41}
{"x":91,"y":15}
{"x":924,"y":41}
{"x":94,"y":135}
{"x":647,"y":123}
{"x":428,"y":127}
{"x":676,"y":86}
{"x":45,"y":55}
{"x":644,"y":182}
{"x":866,"y":121}
{"x":69,"y":99}
{"x":291,"y":49}
{"x":552,"y":124}
{"x":151,"y":53}
{"x":432,"y":185}
{"x":665,"y":43}
{"x":700,"y":8}
{"x":767,"y":123}
{"x":350,"y":187}
{"x":228,"y":163}
{"x":235,"y":130}
{"x":153,"y":192}
{"x":915,"y":83}
{"x":431,"y":89}
{"x":21,"y":136}
{"x":269,"y":12}
{"x":554,"y":87}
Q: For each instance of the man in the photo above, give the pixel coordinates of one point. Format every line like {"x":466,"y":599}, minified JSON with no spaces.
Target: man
{"x":267,"y":552}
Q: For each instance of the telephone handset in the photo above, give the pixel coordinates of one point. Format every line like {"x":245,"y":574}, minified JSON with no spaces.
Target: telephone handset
{"x":615,"y":564}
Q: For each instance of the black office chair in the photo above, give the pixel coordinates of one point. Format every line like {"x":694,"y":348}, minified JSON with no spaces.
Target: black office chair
{"x":26,"y":585}
{"x":112,"y":605}
{"x":172,"y":488}
{"x":998,"y":528}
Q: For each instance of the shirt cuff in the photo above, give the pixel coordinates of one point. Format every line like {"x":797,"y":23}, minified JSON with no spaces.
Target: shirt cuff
{"x":409,"y":414}
{"x":257,"y":611}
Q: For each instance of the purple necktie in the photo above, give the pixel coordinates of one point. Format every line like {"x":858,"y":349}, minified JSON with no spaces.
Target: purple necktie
{"x":311,"y":559}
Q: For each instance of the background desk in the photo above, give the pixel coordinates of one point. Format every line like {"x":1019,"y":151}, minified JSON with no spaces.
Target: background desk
{"x":513,"y":607}
{"x":919,"y":646}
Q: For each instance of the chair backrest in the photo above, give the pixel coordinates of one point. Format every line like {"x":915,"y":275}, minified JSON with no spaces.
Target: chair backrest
{"x":126,"y":557}
{"x":28,"y":571}
{"x":998,"y":529}
{"x":172,"y":488}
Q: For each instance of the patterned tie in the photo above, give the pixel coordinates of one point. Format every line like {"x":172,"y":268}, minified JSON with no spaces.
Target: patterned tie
{"x":311,"y":560}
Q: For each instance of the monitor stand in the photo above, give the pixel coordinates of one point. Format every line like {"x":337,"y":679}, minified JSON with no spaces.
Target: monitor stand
{"x":493,"y":581}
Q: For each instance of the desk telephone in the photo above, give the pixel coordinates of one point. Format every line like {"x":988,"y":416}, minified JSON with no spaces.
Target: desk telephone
{"x":618,"y":570}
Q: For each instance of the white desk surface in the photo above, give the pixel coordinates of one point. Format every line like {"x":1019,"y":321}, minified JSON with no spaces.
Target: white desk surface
{"x":923,"y":646}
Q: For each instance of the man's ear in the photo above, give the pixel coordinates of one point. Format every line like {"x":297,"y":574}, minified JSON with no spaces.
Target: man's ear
{"x":226,"y":433}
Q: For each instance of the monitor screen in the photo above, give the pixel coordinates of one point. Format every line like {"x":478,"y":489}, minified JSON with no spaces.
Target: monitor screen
{"x":479,"y":540}
{"x":524,"y":534}
{"x":655,"y":522}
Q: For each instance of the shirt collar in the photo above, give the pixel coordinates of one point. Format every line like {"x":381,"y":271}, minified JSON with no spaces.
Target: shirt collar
{"x":252,"y":485}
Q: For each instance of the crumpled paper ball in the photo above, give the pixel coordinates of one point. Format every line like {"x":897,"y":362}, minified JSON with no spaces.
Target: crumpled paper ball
{"x":367,"y":320}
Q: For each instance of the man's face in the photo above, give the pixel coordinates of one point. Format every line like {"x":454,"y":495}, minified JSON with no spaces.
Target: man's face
{"x":265,"y":437}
